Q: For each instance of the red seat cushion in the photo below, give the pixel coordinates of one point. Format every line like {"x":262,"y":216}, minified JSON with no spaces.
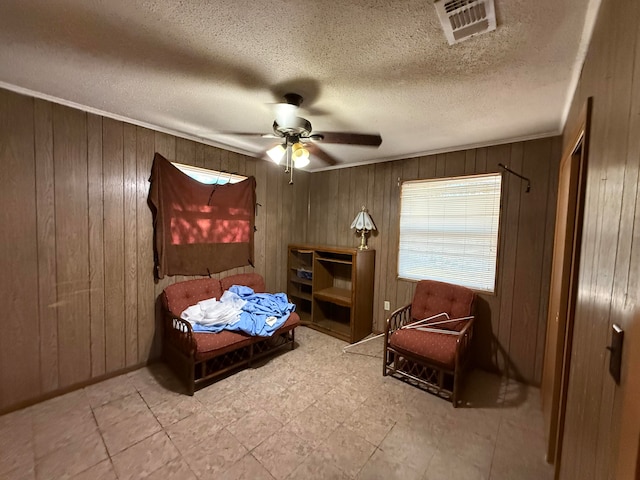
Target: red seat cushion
{"x":209,"y":345}
{"x":436,"y":348}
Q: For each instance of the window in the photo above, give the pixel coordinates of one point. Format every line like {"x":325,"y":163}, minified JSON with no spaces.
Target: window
{"x":449,"y":230}
{"x":210,"y":177}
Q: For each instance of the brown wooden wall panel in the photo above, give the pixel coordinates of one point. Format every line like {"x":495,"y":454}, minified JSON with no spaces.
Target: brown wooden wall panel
{"x":80,"y":241}
{"x":146,"y":297}
{"x":19,"y":341}
{"x":96,"y":244}
{"x":130,"y":245}
{"x":45,"y":209}
{"x":72,"y":246}
{"x":597,"y":426}
{"x":511,"y":321}
{"x":113,"y":197}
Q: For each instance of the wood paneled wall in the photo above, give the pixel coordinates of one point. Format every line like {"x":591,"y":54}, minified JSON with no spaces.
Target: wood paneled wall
{"x":609,"y":277}
{"x":511,"y":325}
{"x":76,"y":241}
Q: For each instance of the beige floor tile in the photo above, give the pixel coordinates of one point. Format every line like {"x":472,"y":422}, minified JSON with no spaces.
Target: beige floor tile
{"x":410,"y":446}
{"x":228,"y":409}
{"x":210,"y":459}
{"x":101,"y":471}
{"x":340,"y":403}
{"x":317,"y":467}
{"x":176,"y":469}
{"x":447,"y":465}
{"x":123,"y":434}
{"x":469,"y":447}
{"x":72,"y":458}
{"x":20,"y":473}
{"x":383,"y":467}
{"x":247,"y":468}
{"x":312,"y":425}
{"x":217,"y":391}
{"x":255,"y":427}
{"x":193,"y":430}
{"x":175,"y":409}
{"x":371,"y":425}
{"x":62,"y":430}
{"x":109,"y":390}
{"x":17,"y":451}
{"x":291,"y":402}
{"x":120,"y":409}
{"x":308,"y":393}
{"x":263,"y":393}
{"x":57,"y":407}
{"x":144,"y":457}
{"x":346,"y":450}
{"x":282,"y":453}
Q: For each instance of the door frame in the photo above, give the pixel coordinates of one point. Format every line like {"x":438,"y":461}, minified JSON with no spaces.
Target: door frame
{"x":557,"y":367}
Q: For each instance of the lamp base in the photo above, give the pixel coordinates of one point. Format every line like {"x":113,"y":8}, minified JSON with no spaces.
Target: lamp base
{"x":363,"y":241}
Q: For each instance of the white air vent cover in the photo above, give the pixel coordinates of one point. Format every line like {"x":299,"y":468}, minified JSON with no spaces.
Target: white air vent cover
{"x":462,"y":19}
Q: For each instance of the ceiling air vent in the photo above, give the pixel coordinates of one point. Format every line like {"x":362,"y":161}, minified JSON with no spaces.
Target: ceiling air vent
{"x":462,"y":19}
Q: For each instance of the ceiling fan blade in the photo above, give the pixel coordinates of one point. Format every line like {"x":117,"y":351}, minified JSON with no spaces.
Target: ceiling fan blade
{"x":321,"y":154}
{"x":249,"y":134}
{"x":348,"y":138}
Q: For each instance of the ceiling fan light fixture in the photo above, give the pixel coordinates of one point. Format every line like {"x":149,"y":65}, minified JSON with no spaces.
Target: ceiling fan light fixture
{"x":300,"y":155}
{"x":276,"y":153}
{"x":286,"y":114}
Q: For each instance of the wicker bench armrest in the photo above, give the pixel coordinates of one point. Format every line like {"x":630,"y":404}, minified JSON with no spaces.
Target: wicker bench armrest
{"x":179,"y":333}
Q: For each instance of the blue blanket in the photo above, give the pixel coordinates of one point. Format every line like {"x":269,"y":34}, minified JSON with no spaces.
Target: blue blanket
{"x":254,"y":315}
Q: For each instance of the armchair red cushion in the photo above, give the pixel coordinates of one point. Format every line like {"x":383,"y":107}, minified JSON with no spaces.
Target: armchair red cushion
{"x":439,"y":348}
{"x":433,"y":297}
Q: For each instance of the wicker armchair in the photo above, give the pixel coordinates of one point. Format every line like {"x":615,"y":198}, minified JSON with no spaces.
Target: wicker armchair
{"x":431,"y":354}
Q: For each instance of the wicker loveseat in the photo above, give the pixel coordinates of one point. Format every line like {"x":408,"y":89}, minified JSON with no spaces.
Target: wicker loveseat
{"x":197,"y":358}
{"x":434,"y":356}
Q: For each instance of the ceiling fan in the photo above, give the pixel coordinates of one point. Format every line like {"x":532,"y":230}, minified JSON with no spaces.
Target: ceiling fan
{"x":296,"y":139}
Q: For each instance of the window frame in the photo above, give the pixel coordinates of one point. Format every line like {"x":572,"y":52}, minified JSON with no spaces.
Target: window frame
{"x":493,"y":291}
{"x":191,"y":170}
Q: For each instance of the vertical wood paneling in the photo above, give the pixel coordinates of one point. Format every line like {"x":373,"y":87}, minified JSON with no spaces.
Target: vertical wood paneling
{"x":526,"y":294}
{"x":146,"y":298}
{"x":80,"y":239}
{"x":596,"y":420}
{"x":45,"y":204}
{"x":130,"y":183}
{"x":96,"y":244}
{"x":72,"y":246}
{"x":19,"y":341}
{"x":114,"y":274}
{"x":507,"y":155}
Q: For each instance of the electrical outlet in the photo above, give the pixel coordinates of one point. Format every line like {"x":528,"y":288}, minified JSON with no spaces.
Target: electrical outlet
{"x":387,"y":305}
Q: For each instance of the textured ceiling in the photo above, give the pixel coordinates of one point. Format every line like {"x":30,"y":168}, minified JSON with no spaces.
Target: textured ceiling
{"x":199,"y":68}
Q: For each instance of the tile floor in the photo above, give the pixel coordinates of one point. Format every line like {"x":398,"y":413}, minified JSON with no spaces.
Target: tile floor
{"x":311,"y":413}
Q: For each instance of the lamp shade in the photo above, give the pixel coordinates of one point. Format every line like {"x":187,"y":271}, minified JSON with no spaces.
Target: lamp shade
{"x":276,"y":153}
{"x":363,"y":221}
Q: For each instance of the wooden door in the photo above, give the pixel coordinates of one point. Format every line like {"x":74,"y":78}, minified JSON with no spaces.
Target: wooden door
{"x":564,"y":275}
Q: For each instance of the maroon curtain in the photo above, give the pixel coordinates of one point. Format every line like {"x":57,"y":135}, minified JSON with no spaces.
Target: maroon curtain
{"x":198,"y":228}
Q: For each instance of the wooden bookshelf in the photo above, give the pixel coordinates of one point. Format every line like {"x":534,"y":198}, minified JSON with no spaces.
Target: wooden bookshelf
{"x":338,"y":297}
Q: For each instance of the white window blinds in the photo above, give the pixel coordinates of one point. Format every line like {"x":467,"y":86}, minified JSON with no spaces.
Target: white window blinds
{"x":449,"y":230}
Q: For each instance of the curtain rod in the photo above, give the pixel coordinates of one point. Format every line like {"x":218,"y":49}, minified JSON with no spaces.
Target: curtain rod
{"x":517,"y":175}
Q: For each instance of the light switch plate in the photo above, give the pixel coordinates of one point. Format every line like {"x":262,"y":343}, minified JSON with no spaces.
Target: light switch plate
{"x":615,"y":349}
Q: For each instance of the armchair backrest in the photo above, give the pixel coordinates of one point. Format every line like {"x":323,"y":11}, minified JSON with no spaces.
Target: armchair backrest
{"x":432,"y":297}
